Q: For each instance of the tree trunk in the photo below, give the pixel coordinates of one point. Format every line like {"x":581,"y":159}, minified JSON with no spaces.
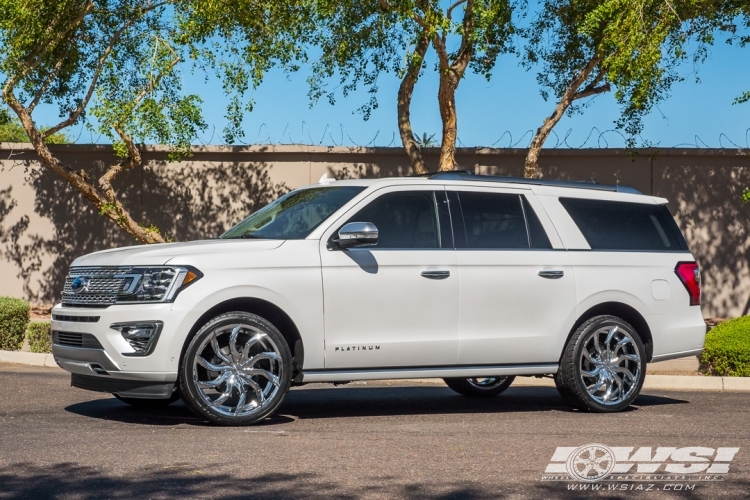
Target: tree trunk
{"x":450,"y":76}
{"x":531,"y":166}
{"x":405,"y":91}
{"x":447,"y":103}
{"x":106,"y":203}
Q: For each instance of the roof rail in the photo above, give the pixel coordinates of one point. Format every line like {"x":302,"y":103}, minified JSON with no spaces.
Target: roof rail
{"x":465,"y":175}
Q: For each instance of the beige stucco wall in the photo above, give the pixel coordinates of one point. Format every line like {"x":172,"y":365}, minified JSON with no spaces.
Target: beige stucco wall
{"x":49,"y":224}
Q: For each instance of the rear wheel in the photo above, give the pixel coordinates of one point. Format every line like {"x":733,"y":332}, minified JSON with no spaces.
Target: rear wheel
{"x":149,"y":403}
{"x":603,"y":366}
{"x":479,"y":387}
{"x":236,"y":370}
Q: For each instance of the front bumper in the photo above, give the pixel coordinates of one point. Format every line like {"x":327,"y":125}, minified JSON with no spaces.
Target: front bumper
{"x":125,"y":388}
{"x":111,"y":366}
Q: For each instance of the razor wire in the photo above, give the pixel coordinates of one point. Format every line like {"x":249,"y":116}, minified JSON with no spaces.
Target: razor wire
{"x":341,"y":137}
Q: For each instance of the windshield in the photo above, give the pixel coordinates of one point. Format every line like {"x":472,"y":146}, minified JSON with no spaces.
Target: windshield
{"x":294,"y":215}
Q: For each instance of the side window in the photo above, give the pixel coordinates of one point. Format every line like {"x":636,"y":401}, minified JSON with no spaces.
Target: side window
{"x":616,"y":225}
{"x":537,"y":235}
{"x":493,"y":220}
{"x":405,"y":219}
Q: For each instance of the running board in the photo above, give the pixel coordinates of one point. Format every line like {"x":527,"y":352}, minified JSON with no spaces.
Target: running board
{"x":350,"y":374}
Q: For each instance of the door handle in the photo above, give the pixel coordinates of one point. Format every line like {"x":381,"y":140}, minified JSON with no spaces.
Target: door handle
{"x":436,"y":275}
{"x":551,"y":274}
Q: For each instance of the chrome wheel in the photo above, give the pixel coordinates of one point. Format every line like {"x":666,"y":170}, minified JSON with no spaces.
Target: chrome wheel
{"x":610,"y":365}
{"x":237,"y":370}
{"x":487,"y":383}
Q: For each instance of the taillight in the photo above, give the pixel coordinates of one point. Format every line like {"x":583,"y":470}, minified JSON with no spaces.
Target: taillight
{"x":690,"y":275}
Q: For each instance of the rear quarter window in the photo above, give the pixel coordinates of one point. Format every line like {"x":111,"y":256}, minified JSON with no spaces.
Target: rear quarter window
{"x":615,"y":225}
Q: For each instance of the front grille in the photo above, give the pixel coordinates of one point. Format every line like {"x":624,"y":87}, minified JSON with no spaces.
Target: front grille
{"x":75,"y":319}
{"x":72,"y":339}
{"x":102,"y":287}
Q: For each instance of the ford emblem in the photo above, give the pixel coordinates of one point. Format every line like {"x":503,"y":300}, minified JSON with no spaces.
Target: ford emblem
{"x":79,"y":284}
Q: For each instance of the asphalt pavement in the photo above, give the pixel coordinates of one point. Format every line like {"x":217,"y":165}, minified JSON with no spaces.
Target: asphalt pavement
{"x":374,"y":440}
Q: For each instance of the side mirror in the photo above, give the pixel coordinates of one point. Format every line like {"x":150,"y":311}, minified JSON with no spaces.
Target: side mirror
{"x":357,"y":234}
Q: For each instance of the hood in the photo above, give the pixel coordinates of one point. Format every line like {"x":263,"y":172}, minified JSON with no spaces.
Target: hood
{"x":160,"y":254}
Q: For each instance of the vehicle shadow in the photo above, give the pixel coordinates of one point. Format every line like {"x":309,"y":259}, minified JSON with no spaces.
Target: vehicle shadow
{"x":324,"y":401}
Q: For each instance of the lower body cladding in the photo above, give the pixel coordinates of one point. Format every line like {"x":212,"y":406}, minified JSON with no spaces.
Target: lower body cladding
{"x":94,"y":370}
{"x":345,"y":375}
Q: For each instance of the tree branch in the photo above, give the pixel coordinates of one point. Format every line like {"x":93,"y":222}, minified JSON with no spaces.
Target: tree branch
{"x":156,"y":80}
{"x":48,"y":81}
{"x":466,"y":50}
{"x":73,"y":115}
{"x":405,"y":91}
{"x":589,"y":90}
{"x":531,"y":167}
{"x":134,"y":159}
{"x":449,"y":12}
{"x":35,"y":59}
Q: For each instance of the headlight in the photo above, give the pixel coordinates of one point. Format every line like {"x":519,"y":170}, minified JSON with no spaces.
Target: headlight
{"x":102,"y":286}
{"x":154,"y":284}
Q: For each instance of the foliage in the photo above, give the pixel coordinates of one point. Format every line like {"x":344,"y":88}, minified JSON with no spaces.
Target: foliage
{"x":359,"y":41}
{"x":11,"y":130}
{"x":426,"y":141}
{"x":116,"y":65}
{"x":241,"y":41}
{"x":40,"y":336}
{"x":14,"y":316}
{"x":634,"y":45}
{"x":727,"y":349}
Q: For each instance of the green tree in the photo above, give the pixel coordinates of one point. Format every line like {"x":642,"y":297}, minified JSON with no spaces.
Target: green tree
{"x":11,"y":130}
{"x":119,"y":62}
{"x":361,"y":40}
{"x":588,"y":47}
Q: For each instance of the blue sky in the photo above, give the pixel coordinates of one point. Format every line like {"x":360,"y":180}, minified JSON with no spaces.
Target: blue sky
{"x":499,"y":113}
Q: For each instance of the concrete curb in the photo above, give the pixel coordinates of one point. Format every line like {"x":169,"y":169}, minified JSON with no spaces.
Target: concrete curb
{"x":662,"y":382}
{"x":653,"y":382}
{"x":28,"y":358}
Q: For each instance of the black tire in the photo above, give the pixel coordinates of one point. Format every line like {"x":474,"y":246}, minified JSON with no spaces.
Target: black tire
{"x":571,"y":374}
{"x":190,"y":372}
{"x":474,"y":388}
{"x":150,"y":403}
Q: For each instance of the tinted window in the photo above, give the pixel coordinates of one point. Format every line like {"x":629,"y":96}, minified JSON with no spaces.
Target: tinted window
{"x":493,"y":220}
{"x":404,"y":219}
{"x":613,"y":225}
{"x":294,"y":215}
{"x":537,"y":235}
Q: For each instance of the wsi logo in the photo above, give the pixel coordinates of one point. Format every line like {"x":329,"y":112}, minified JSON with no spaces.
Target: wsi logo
{"x":598,"y":462}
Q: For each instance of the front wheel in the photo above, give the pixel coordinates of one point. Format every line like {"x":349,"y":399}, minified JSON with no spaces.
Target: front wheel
{"x":236,"y":370}
{"x":479,"y":387}
{"x":603,"y":366}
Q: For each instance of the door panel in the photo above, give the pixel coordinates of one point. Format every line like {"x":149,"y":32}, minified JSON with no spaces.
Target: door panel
{"x":395,"y":304}
{"x":509,"y":312}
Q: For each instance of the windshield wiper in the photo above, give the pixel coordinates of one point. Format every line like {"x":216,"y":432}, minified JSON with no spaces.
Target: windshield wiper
{"x":244,"y":236}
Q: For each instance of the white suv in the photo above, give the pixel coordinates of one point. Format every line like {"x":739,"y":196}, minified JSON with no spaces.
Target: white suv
{"x":473,"y":279}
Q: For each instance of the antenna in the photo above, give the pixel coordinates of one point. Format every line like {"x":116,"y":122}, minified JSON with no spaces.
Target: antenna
{"x":325,"y":180}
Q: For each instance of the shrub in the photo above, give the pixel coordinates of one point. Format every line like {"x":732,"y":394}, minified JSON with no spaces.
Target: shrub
{"x":40,"y":336}
{"x":14,"y":316}
{"x":727,"y":350}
